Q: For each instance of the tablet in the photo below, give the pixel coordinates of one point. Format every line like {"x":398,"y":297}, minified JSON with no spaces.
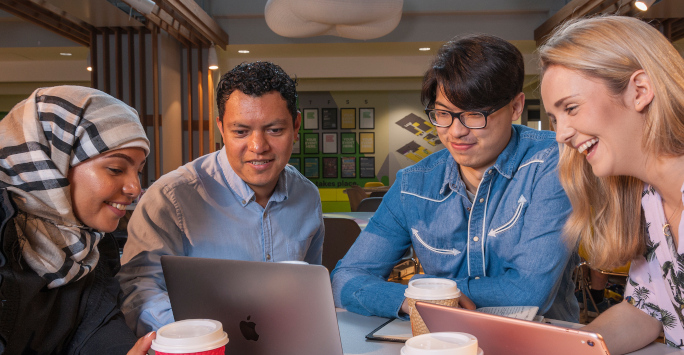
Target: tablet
{"x":510,"y":336}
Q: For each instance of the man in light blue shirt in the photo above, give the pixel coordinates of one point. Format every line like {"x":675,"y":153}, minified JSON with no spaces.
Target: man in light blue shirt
{"x":243,"y":202}
{"x":487,"y":211}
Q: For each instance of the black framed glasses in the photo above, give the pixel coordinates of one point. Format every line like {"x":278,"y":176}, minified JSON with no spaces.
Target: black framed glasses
{"x":470,"y":119}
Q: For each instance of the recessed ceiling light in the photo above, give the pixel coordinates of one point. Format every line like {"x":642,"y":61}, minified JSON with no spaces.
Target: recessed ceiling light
{"x":65,"y":54}
{"x":424,"y":49}
{"x":243,"y":51}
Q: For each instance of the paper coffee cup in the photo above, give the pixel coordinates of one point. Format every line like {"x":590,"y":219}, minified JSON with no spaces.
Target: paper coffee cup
{"x":431,"y":290}
{"x":191,"y":336}
{"x":444,"y":343}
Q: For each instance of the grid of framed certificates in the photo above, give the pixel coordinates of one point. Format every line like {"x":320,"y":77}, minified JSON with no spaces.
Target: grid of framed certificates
{"x":331,"y":136}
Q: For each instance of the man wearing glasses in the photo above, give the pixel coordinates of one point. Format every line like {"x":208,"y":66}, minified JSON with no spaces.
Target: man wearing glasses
{"x":487,"y":212}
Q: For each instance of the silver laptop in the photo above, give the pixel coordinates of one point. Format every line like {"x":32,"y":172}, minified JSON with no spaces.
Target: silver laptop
{"x":504,"y":335}
{"x":266,"y":308}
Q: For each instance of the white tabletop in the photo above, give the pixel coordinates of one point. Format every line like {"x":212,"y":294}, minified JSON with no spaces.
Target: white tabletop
{"x":354,"y":327}
{"x":361,"y":218}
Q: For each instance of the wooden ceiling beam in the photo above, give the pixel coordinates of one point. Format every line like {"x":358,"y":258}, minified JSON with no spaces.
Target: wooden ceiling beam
{"x":197,"y":19}
{"x":578,"y":8}
{"x":50,"y":18}
{"x":182,"y":35}
{"x":573,"y":9}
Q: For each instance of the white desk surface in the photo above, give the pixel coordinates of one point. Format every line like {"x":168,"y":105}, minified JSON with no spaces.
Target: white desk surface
{"x":361,"y":218}
{"x":354,"y":327}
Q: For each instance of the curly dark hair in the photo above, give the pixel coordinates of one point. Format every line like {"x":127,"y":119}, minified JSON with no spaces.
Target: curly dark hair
{"x":257,"y":79}
{"x":476,"y":72}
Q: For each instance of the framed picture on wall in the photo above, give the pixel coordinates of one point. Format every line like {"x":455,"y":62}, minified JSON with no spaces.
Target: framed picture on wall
{"x":367,"y":118}
{"x":330,"y":167}
{"x":311,"y":168}
{"x":366,"y":142}
{"x":348,"y":142}
{"x":297,"y":145}
{"x":367,"y":167}
{"x":310,"y":118}
{"x":348,"y":167}
{"x":310,"y":143}
{"x":296,"y":162}
{"x":347,"y":118}
{"x":329,"y":118}
{"x":330,"y":143}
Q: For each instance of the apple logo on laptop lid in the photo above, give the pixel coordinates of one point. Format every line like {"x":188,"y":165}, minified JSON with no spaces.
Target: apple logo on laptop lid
{"x":248,"y":330}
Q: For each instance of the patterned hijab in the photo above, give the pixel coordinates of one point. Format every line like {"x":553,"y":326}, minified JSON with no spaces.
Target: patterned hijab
{"x":42,"y":138}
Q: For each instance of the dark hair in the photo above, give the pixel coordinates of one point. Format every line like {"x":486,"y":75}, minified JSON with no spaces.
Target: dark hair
{"x":257,"y":79}
{"x":476,"y":72}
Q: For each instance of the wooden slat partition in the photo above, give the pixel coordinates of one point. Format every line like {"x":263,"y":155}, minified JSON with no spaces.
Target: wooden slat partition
{"x":106,"y":62}
{"x":210,"y":110}
{"x":142,"y":64}
{"x":130,"y":34}
{"x":93,"y":59}
{"x":118,"y":67}
{"x":184,"y":20}
{"x":200,"y":106}
{"x":189,"y":100}
{"x":155,"y":101}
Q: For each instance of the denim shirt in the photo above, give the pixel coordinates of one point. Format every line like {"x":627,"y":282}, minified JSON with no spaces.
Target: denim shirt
{"x":204,"y":209}
{"x":503,"y":249}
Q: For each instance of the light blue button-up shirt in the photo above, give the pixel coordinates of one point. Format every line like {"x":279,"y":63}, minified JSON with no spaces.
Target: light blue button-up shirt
{"x":503,"y":249}
{"x":203,"y":209}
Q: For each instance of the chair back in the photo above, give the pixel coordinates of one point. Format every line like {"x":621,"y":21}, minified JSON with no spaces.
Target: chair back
{"x":355,"y":194}
{"x":369,"y":204}
{"x":374,"y":184}
{"x":378,"y":193}
{"x":340,"y":234}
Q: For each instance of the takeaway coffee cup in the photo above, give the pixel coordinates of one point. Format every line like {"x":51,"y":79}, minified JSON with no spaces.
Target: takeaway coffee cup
{"x":444,"y":343}
{"x":191,"y":337}
{"x":431,"y":290}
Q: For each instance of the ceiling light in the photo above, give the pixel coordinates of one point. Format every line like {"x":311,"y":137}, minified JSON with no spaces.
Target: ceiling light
{"x":424,"y":49}
{"x":213,"y":59}
{"x":643,"y":5}
{"x":65,"y":54}
{"x":89,"y":67}
{"x":243,"y":51}
{"x":143,"y":6}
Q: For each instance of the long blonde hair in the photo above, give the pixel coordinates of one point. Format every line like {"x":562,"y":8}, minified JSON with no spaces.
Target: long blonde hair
{"x":607,"y":217}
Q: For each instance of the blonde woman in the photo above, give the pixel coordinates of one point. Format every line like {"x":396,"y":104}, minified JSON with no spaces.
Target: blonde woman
{"x":614,"y":89}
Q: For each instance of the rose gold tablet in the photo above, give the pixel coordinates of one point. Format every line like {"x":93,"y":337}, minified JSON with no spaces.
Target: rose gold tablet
{"x":497,"y":335}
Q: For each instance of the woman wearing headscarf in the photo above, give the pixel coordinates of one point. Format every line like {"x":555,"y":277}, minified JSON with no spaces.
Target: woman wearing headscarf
{"x":70,"y":159}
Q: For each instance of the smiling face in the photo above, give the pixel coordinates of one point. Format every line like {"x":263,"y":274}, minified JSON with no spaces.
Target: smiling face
{"x":258,"y":133}
{"x":102,"y":187}
{"x":587,"y":117}
{"x":478,"y":149}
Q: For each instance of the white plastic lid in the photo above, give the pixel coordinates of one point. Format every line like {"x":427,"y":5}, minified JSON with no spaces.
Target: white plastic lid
{"x":432,"y":289}
{"x":190,"y":336}
{"x":294,"y":262}
{"x":444,"y":343}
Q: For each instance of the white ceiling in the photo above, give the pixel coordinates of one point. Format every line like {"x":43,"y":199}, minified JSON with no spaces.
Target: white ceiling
{"x":425,"y":23}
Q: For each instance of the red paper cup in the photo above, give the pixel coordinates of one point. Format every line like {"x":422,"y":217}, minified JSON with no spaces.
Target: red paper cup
{"x":191,"y":337}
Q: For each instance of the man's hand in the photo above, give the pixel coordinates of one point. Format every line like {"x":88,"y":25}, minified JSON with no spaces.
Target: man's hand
{"x":466,"y":303}
{"x":143,"y":344}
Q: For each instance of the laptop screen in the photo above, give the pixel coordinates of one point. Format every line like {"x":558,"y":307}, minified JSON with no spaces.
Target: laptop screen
{"x":266,"y":308}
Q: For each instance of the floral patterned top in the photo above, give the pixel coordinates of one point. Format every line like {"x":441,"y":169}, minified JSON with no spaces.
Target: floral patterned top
{"x":656,"y":280}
